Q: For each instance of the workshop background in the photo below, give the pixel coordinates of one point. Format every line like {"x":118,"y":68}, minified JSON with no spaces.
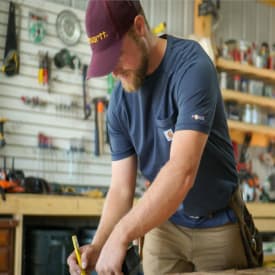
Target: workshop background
{"x":46,"y":132}
{"x":52,"y":121}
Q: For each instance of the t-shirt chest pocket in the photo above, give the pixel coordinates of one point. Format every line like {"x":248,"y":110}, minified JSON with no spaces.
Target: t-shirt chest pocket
{"x":166,"y":127}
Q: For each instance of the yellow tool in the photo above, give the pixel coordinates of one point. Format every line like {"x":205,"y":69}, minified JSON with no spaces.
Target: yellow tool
{"x":159,"y":29}
{"x":77,"y":253}
{"x":40,"y":69}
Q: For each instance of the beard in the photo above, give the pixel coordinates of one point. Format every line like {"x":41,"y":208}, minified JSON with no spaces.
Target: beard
{"x":137,"y":77}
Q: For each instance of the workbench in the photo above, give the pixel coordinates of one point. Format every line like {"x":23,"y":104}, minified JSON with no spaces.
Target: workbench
{"x":23,"y":205}
{"x":254,"y":271}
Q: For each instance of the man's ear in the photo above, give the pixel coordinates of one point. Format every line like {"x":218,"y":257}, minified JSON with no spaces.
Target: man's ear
{"x":139,"y":25}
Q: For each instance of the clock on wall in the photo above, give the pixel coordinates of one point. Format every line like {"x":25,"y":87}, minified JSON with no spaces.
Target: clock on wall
{"x":68,"y":27}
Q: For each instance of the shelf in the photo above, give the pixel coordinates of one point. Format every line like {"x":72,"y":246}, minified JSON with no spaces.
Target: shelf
{"x":269,"y":258}
{"x":51,"y":205}
{"x":245,"y":69}
{"x":248,"y":98}
{"x":246,"y":127}
{"x":268,"y":2}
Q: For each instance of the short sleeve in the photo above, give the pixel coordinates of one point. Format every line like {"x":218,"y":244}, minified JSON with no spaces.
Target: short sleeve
{"x":120,"y":142}
{"x":197,"y":93}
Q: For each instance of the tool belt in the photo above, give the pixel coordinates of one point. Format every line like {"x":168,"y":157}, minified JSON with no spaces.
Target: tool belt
{"x":131,"y":264}
{"x":251,"y":237}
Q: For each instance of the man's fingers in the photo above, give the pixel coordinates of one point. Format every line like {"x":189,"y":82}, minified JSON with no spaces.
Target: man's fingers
{"x":73,"y":266}
{"x":89,"y":256}
{"x":74,"y":269}
{"x":84,"y":260}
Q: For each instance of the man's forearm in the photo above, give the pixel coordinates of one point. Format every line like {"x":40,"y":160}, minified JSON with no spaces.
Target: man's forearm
{"x":170,"y":187}
{"x":116,"y":205}
{"x":159,"y":202}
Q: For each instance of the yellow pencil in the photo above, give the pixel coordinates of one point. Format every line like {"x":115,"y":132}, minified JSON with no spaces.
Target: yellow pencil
{"x":77,"y":253}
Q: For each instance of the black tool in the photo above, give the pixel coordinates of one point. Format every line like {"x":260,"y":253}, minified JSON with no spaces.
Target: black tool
{"x":242,"y":165}
{"x":2,"y":138}
{"x":64,"y":58}
{"x":15,"y":175}
{"x":11,"y":56}
{"x":209,"y":7}
{"x":36,"y":185}
{"x":6,"y":184}
{"x":86,"y":106}
{"x":131,"y":264}
{"x":246,"y":142}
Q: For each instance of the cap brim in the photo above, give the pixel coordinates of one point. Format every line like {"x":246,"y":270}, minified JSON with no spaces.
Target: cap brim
{"x":103,"y":62}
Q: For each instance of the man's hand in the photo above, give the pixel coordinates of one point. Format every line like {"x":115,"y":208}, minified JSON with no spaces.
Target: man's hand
{"x":112,"y":256}
{"x":89,"y":256}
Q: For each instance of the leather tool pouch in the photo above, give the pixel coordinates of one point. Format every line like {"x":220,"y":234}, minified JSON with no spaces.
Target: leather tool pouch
{"x":251,"y":237}
{"x":131,"y":263}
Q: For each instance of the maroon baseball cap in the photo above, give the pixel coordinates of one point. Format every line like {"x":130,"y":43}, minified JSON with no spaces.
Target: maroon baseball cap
{"x":106,"y":23}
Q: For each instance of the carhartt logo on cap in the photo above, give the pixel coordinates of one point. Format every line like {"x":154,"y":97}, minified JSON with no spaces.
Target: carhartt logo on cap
{"x":96,"y":38}
{"x":106,"y":22}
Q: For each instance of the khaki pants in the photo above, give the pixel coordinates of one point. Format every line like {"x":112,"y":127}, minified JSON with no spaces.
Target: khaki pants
{"x":171,"y":248}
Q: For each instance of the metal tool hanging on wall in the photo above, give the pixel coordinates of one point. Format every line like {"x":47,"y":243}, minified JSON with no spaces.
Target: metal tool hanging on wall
{"x":44,"y":68}
{"x":11,"y":55}
{"x":68,"y":27}
{"x":64,"y":58}
{"x":2,"y":138}
{"x":37,"y":26}
{"x":86,"y":106}
{"x":209,"y":7}
{"x":100,"y":105}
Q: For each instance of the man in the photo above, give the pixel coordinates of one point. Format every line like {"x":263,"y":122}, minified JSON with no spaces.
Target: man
{"x":165,"y":118}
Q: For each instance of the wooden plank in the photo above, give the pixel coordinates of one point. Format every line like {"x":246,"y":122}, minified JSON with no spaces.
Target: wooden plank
{"x":245,"y":69}
{"x":269,"y":258}
{"x":258,"y":139}
{"x":8,"y":207}
{"x":265,"y":225}
{"x":251,"y":271}
{"x":51,"y":205}
{"x":18,"y":244}
{"x":246,"y":127}
{"x":248,"y":98}
{"x":266,"y":210}
{"x":268,"y":2}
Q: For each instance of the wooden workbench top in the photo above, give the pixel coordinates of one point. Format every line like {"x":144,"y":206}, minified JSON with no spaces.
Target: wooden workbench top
{"x":20,"y":205}
{"x":57,"y":205}
{"x":64,"y":205}
{"x":253,"y":271}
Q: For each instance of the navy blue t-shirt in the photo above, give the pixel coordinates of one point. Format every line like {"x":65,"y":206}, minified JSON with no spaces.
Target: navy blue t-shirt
{"x":181,"y":94}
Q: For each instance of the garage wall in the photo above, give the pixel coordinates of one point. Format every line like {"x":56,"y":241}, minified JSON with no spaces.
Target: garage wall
{"x":66,"y":127}
{"x":178,"y":14}
{"x":249,"y":20}
{"x":252,"y":21}
{"x":25,"y":122}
